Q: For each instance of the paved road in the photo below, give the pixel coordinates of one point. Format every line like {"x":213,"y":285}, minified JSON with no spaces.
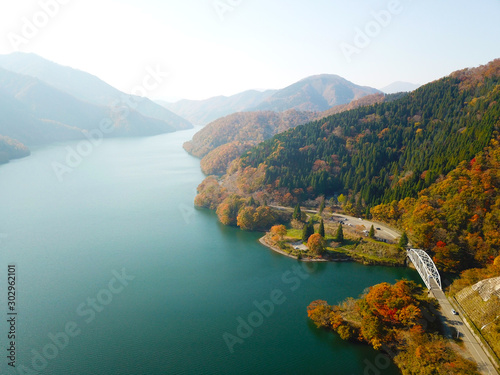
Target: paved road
{"x":384,"y":232}
{"x":456,"y":323}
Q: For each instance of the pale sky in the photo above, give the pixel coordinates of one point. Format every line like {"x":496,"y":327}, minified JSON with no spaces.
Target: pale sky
{"x":255,"y":44}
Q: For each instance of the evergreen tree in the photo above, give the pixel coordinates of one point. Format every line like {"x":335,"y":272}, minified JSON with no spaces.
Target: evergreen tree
{"x":308,"y":231}
{"x":403,"y":241}
{"x":339,"y":236}
{"x":321,"y":229}
{"x":297,"y":213}
{"x":371,"y":233}
{"x":321,"y":206}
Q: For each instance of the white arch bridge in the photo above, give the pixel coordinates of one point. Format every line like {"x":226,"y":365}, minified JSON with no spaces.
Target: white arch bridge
{"x":425,"y":267}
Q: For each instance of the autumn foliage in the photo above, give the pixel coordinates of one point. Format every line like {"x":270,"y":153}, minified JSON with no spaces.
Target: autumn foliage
{"x":391,"y":318}
{"x":316,"y":244}
{"x":278,"y":232}
{"x":458,"y":217}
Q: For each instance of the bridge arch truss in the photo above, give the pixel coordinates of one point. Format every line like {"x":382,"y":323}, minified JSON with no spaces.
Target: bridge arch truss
{"x":425,"y":267}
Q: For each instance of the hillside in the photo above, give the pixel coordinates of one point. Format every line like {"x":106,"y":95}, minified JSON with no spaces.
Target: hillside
{"x":375,"y":154}
{"x":458,"y":217}
{"x":226,"y":139}
{"x":244,"y":126}
{"x":202,"y":112}
{"x":11,"y":149}
{"x":316,"y":93}
{"x":34,"y":112}
{"x":387,"y":151}
{"x":477,"y":292}
{"x":362,"y":102}
{"x":86,"y":87}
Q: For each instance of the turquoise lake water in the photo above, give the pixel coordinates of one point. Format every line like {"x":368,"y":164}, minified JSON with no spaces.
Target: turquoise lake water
{"x":116,"y":258}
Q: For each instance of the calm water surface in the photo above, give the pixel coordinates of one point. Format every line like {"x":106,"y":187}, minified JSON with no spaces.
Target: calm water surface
{"x":185,"y":280}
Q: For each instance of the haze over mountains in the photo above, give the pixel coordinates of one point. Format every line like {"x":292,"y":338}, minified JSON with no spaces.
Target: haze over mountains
{"x":312,"y":94}
{"x":202,"y":112}
{"x":43,"y":102}
{"x":399,"y":87}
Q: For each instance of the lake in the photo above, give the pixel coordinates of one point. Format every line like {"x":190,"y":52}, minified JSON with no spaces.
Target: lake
{"x":117,"y":273}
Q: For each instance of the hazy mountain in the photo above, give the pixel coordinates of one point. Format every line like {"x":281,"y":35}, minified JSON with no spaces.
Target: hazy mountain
{"x":86,"y":87}
{"x":202,"y":112}
{"x":34,"y":112}
{"x":399,"y":87}
{"x":11,"y":149}
{"x":312,"y":94}
{"x":316,"y":93}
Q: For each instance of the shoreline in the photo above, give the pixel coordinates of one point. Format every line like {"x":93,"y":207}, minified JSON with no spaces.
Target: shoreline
{"x":279,"y":251}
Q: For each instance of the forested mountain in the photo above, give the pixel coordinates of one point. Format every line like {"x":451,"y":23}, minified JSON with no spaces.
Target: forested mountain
{"x":316,"y":93}
{"x":87,"y":88}
{"x":11,"y":149}
{"x":362,"y":102}
{"x":244,"y":126}
{"x":458,"y":217}
{"x":225,"y":139}
{"x":378,"y":153}
{"x":202,"y":112}
{"x":312,"y":94}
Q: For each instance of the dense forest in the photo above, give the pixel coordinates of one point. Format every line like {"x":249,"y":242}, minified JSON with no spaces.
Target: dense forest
{"x":385,"y":152}
{"x":427,"y":162}
{"x":398,"y":319}
{"x":227,"y":138}
{"x":458,"y":217}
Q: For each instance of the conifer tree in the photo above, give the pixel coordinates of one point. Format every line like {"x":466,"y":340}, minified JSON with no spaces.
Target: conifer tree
{"x":371,"y":233}
{"x":308,"y":230}
{"x":297,"y":213}
{"x":339,"y":236}
{"x":321,"y":229}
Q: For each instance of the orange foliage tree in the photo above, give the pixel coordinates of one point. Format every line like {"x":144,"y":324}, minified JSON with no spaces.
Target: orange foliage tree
{"x":316,"y":244}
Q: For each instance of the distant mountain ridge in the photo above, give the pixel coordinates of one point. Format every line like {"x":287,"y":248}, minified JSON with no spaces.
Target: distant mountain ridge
{"x":399,"y":86}
{"x":86,"y":87}
{"x":313,"y":94}
{"x":202,"y":112}
{"x":43,"y":102}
